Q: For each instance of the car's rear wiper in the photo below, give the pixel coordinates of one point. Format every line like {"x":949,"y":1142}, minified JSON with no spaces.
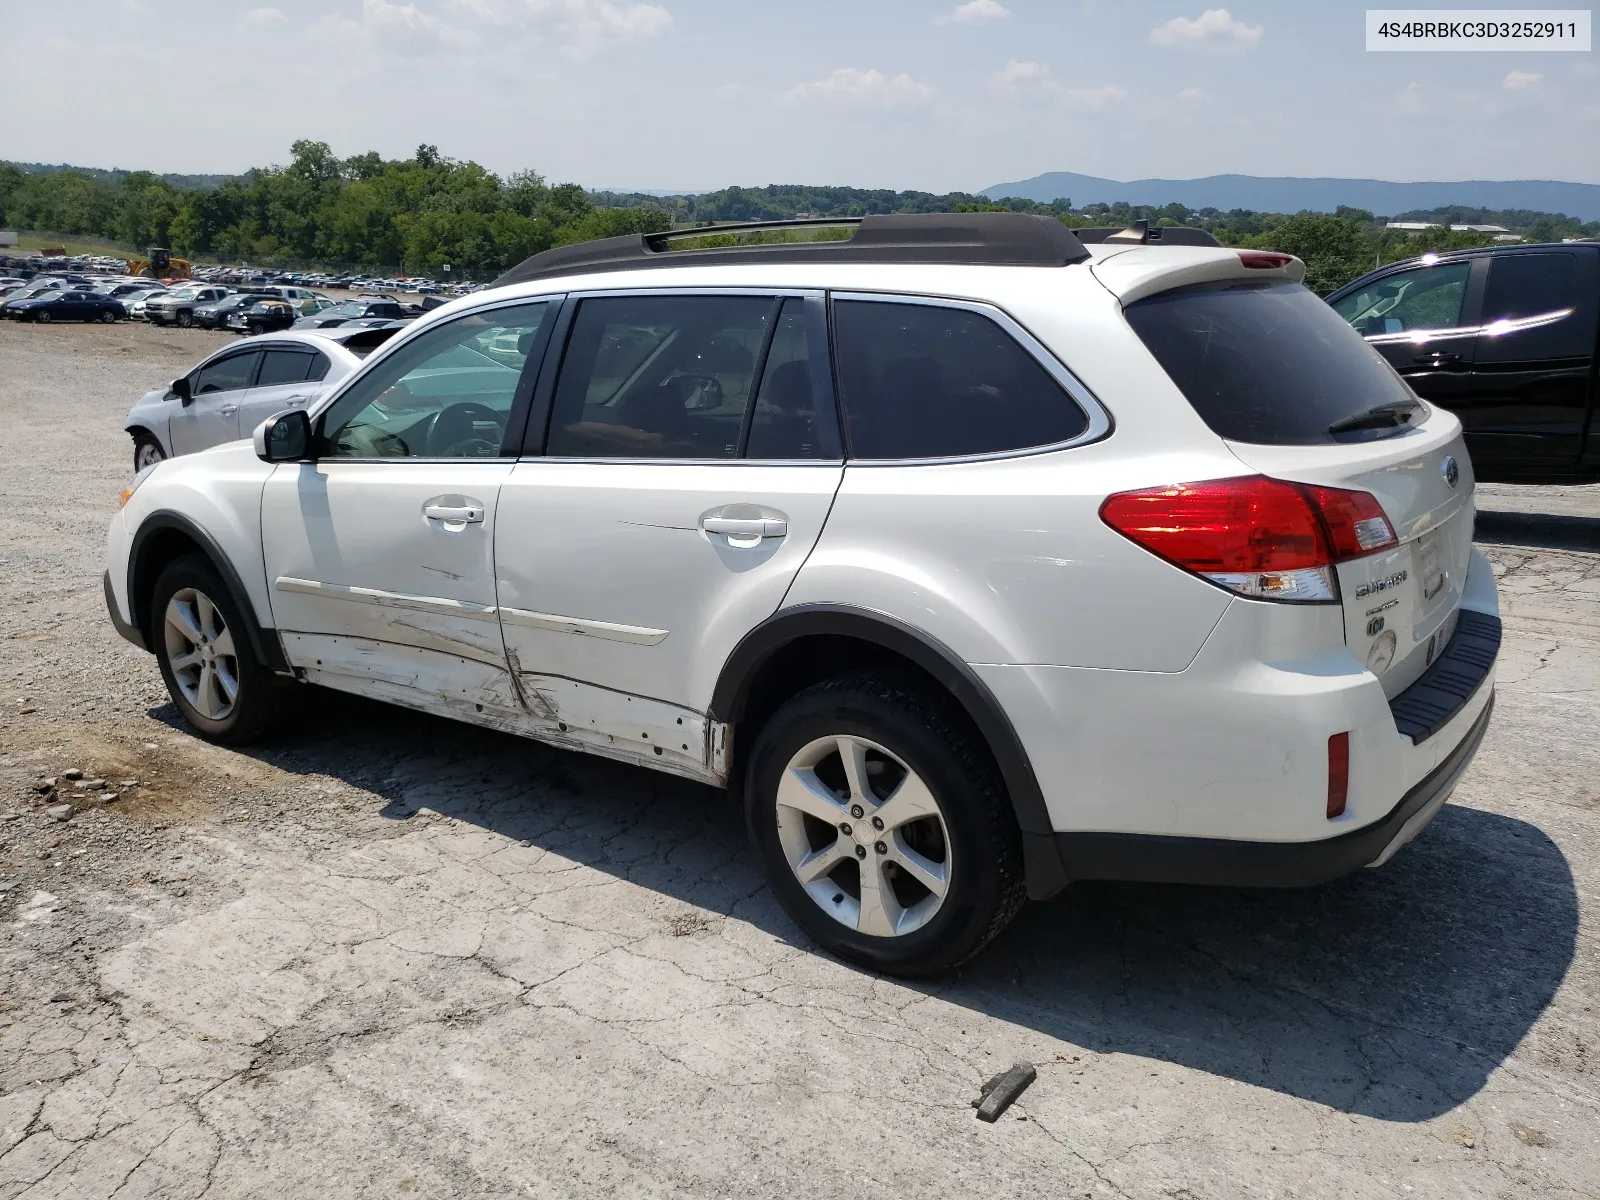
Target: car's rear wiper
{"x":1380,"y":416}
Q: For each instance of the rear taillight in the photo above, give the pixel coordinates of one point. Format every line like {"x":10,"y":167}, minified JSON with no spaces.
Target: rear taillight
{"x":1264,"y":538}
{"x":1264,"y":260}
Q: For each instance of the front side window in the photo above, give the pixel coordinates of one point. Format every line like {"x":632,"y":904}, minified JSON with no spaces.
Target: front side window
{"x":658,"y":376}
{"x":445,"y":394}
{"x":931,"y":381}
{"x":226,"y":374}
{"x":1425,"y":298}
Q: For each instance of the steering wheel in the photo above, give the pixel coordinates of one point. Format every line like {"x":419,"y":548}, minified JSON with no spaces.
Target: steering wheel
{"x":454,"y":432}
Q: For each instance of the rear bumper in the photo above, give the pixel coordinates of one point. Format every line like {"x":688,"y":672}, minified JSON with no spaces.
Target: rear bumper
{"x":1153,"y":858}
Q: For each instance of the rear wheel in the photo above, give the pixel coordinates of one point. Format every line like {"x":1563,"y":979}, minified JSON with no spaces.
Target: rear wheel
{"x":883,"y":826}
{"x":202,"y":643}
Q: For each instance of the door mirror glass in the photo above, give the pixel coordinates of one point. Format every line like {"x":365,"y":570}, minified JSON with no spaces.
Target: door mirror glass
{"x":283,"y":438}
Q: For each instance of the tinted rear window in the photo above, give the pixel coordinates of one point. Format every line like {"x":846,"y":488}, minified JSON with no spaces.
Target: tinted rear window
{"x":1266,"y":363}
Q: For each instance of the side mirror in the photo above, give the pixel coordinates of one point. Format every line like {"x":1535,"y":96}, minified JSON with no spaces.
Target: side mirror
{"x":285,"y":437}
{"x":180,"y":389}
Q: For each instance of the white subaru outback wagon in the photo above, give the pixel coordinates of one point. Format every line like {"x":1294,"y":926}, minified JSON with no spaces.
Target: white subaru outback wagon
{"x":973,"y":556}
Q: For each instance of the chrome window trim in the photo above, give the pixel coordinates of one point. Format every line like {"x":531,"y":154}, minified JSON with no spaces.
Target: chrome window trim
{"x":1100,"y":423}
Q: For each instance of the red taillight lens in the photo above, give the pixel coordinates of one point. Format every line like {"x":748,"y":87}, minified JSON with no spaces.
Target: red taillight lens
{"x":1264,"y":260}
{"x":1338,"y":773}
{"x":1259,"y":537}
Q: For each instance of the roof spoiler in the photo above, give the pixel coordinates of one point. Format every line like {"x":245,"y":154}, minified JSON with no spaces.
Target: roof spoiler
{"x":1140,"y":233}
{"x":992,"y":239}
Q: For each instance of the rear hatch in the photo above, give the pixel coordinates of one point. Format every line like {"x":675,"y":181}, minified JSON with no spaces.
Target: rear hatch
{"x":1298,"y":395}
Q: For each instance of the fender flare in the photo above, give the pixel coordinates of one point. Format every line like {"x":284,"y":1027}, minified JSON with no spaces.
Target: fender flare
{"x":1042,"y":862}
{"x":263,"y":641}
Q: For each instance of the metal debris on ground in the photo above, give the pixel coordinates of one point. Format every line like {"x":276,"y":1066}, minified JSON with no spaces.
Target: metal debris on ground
{"x":997,"y":1094}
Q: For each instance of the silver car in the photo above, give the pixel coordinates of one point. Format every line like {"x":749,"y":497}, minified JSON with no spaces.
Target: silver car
{"x":228,"y":394}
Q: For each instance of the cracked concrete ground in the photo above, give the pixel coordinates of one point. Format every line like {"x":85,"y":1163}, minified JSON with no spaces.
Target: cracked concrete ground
{"x":392,"y":956}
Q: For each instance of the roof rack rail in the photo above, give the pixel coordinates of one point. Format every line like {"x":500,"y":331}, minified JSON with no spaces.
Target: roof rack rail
{"x":1140,"y":233}
{"x":992,"y":239}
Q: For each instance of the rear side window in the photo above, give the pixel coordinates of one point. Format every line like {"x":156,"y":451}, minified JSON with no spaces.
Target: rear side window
{"x":1266,"y":363}
{"x":930,"y":381}
{"x":1537,"y":296}
{"x":319,"y":367}
{"x":793,"y":417}
{"x":283,"y":366}
{"x":658,"y":376}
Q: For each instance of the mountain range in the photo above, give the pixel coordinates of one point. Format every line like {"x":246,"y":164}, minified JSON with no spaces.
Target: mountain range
{"x":1283,"y":194}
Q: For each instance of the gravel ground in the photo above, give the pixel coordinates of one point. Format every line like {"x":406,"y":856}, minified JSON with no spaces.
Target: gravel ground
{"x":390,"y":955}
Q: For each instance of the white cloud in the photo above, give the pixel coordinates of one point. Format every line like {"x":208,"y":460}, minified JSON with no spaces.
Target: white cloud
{"x":1096,"y":98}
{"x":401,"y":29}
{"x":850,"y":88}
{"x":1411,"y":101}
{"x":1517,"y":81}
{"x":1195,"y":96}
{"x":261,"y":18}
{"x":974,"y":12}
{"x":1215,"y":28}
{"x":580,"y":26}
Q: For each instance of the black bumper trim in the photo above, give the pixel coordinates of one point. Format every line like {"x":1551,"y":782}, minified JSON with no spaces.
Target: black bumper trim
{"x":128,"y":631}
{"x":1444,"y":689}
{"x":1157,"y":858}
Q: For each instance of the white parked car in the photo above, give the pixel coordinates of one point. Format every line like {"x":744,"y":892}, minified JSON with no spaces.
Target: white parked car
{"x":232,"y":391}
{"x":972,"y":560}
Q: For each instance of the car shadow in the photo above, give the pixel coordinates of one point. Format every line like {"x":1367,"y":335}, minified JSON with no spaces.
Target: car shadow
{"x":1393,"y":993}
{"x":1545,"y":530}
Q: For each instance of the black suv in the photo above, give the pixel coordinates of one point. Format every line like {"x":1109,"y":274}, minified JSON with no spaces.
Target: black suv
{"x":1505,"y":338}
{"x":215,"y":314}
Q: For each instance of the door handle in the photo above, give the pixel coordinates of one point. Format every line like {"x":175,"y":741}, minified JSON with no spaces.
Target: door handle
{"x":297,"y":401}
{"x":1438,"y":358}
{"x":228,"y":410}
{"x":746,"y":527}
{"x":454,"y":514}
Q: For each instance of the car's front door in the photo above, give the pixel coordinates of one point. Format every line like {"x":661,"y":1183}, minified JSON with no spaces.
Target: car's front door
{"x":1531,"y":376}
{"x":1423,"y":320}
{"x":379,"y":553}
{"x":691,"y":458}
{"x":211,"y":414}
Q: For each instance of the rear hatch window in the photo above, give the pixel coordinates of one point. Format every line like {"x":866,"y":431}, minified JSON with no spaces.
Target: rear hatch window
{"x":1272,"y":364}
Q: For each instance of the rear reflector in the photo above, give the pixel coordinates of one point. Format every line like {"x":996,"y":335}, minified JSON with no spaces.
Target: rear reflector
{"x":1264,"y":538}
{"x":1264,"y":260}
{"x":1338,"y":773}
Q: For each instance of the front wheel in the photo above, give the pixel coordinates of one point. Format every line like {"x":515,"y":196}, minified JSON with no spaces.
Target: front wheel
{"x":42,"y":318}
{"x":185,"y":320}
{"x":202,"y":643}
{"x":257,"y":328}
{"x":147,"y":452}
{"x":107,"y":316}
{"x":883,"y":825}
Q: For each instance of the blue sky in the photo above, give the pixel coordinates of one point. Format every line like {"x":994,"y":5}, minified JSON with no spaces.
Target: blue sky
{"x":692,"y":94}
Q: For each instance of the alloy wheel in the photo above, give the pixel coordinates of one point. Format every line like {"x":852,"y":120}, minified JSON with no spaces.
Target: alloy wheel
{"x":147,"y":455}
{"x":864,"y":836}
{"x":201,"y":653}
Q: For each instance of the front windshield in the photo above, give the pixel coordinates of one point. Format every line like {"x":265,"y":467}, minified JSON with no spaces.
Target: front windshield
{"x":185,"y":293}
{"x":350,"y":308}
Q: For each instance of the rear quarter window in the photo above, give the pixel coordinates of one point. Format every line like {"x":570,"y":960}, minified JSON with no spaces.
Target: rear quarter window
{"x":1266,"y":363}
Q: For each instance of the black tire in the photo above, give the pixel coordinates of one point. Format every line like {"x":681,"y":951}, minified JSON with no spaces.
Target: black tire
{"x":261,"y":705}
{"x":107,"y":316}
{"x":257,"y":328}
{"x":934,"y":738}
{"x":43,"y":318}
{"x":185,"y":319}
{"x":146,"y":451}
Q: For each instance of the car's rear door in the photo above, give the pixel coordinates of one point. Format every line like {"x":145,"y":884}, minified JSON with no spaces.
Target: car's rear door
{"x":1534,"y":362}
{"x":289,"y":377}
{"x":692,"y":457}
{"x":379,"y":553}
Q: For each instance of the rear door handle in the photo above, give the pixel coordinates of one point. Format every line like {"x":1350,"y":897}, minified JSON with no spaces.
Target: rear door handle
{"x":454,"y":514}
{"x":746,"y":527}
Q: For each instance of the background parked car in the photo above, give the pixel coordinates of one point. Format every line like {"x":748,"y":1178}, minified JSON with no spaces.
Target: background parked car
{"x":352,"y":310}
{"x":232,"y":391}
{"x":177,"y":307}
{"x":261,"y":316}
{"x":75,"y":305}
{"x":1504,"y":337}
{"x":214,"y":314}
{"x":131,"y":301}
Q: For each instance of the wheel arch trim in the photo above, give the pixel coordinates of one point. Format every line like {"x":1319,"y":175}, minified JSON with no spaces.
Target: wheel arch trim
{"x":1042,"y":862}
{"x":263,"y":640}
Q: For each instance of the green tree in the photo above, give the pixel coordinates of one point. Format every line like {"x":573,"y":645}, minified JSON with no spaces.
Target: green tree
{"x":1332,"y":248}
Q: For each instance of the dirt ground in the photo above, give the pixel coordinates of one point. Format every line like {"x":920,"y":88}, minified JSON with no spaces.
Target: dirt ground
{"x":394,"y":956}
